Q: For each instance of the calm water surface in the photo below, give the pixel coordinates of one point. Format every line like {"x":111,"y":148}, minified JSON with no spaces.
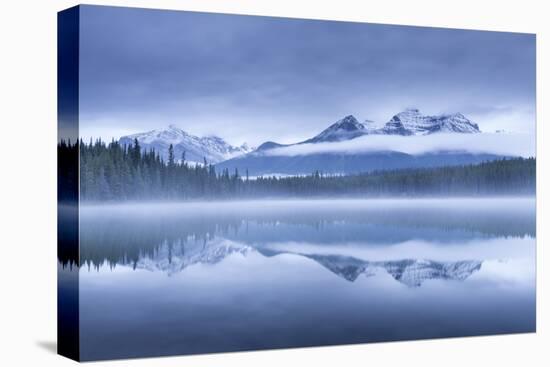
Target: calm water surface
{"x":160,"y":279}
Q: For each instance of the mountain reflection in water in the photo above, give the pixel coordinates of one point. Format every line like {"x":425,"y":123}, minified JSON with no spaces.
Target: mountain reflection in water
{"x":172,"y":259}
{"x":161,"y":279}
{"x":171,"y":237}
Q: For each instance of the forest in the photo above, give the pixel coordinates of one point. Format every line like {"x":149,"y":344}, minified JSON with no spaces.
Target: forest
{"x":113,"y":172}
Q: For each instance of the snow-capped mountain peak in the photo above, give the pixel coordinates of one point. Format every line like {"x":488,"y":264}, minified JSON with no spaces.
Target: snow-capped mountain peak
{"x":196,"y":149}
{"x":412,"y":122}
{"x":170,"y":135}
{"x":348,"y":123}
{"x":344,"y":129}
{"x":408,"y":122}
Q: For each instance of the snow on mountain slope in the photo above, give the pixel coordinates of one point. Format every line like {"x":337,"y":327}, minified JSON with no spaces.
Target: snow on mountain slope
{"x":412,"y":122}
{"x":215,"y":150}
{"x":327,"y":151}
{"x":212,"y":148}
{"x":406,"y":123}
{"x":344,"y":129}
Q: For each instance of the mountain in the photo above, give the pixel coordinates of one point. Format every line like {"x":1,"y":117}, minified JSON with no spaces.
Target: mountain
{"x":344,"y":129}
{"x":212,"y":148}
{"x":269,"y":145}
{"x":265,"y":161}
{"x":407,"y":122}
{"x":262,"y":163}
{"x":412,"y":122}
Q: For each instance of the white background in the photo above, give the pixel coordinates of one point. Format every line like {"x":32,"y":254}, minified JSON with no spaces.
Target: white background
{"x":28,"y":136}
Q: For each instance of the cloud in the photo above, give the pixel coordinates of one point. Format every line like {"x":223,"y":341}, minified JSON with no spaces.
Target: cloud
{"x":513,"y":144}
{"x":263,"y":78}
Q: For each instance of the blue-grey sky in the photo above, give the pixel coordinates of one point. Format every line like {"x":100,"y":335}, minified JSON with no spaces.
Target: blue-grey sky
{"x":253,"y":79}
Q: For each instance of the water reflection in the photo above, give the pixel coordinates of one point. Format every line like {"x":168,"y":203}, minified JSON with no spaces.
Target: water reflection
{"x":123,"y":234}
{"x":206,"y":277}
{"x":174,"y":258}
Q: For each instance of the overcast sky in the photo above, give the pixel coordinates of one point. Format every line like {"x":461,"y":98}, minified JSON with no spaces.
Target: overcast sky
{"x":254,"y":79}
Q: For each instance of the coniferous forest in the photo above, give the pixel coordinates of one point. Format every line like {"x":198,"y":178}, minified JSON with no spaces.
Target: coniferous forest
{"x":112,"y":172}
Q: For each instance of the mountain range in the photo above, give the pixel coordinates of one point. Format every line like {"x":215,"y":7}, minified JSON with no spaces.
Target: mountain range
{"x":213,"y":149}
{"x":406,"y":123}
{"x":265,"y":160}
{"x":262,"y":161}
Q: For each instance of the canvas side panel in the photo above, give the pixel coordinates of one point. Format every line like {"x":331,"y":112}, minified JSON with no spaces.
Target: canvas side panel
{"x":68,"y":343}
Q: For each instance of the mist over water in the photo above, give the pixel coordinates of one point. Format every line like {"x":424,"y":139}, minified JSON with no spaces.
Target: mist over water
{"x":159,"y":279}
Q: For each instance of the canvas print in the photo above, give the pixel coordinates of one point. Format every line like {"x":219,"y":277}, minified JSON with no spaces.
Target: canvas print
{"x":236,"y":183}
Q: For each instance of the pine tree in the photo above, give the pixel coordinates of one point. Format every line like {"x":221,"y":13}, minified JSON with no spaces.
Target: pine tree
{"x":115,"y":172}
{"x":171,"y":161}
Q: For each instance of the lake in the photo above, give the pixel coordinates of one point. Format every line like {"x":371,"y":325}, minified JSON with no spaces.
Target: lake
{"x":186,"y":278}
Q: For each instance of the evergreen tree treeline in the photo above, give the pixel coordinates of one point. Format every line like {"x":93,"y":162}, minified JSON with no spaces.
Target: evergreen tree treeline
{"x":116,"y":172}
{"x":119,"y":172}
